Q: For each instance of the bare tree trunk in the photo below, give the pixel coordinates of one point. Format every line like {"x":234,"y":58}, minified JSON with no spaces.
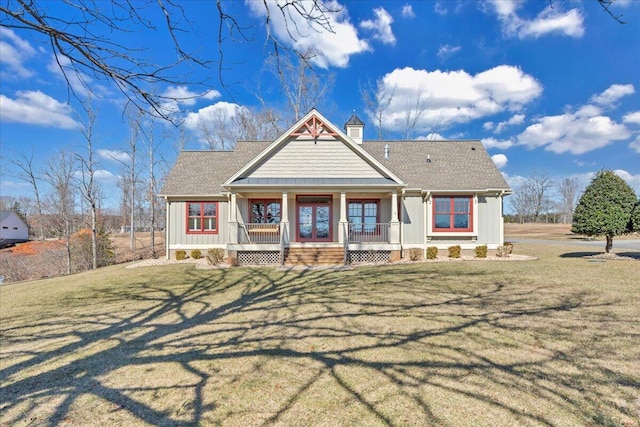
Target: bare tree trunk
{"x":28,"y":174}
{"x":609,"y":244}
{"x":87,"y":180}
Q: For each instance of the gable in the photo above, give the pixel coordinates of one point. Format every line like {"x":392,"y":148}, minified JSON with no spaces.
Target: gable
{"x":300,"y":158}
{"x":314,"y":149}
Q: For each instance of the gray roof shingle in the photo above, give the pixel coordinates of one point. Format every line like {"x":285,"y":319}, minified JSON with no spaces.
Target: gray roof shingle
{"x":454,"y":166}
{"x":204,"y":172}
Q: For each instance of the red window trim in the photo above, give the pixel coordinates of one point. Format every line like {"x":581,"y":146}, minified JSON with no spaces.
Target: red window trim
{"x":299,"y":204}
{"x":451,"y":213}
{"x":202,"y":217}
{"x":266,"y":201}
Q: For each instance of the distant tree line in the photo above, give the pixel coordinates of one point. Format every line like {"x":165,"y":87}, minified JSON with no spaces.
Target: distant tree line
{"x":539,"y":198}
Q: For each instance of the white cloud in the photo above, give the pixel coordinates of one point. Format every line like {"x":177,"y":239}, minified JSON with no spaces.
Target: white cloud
{"x":36,"y":108}
{"x":81,"y":83}
{"x":446,"y":97}
{"x":333,"y":48}
{"x":495,"y":143}
{"x":381,"y":26}
{"x":550,"y":21}
{"x":500,"y":160}
{"x":576,"y":133}
{"x":220,"y":111}
{"x":488,"y":125}
{"x":583,"y":164}
{"x":183,"y":95}
{"x":104,"y":175}
{"x":609,"y":97}
{"x":433,"y":136}
{"x":440,"y":9}
{"x":633,"y":117}
{"x":632,"y":180}
{"x":121,"y":156}
{"x":635,"y":145}
{"x":447,"y":50}
{"x":407,"y":11}
{"x":516,"y":119}
{"x":15,"y":52}
{"x":514,"y":181}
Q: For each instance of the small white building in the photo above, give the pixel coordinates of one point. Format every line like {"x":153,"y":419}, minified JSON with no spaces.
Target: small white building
{"x":12,"y":228}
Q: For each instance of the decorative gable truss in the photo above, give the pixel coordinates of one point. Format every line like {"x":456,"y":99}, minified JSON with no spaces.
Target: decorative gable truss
{"x":314,"y":128}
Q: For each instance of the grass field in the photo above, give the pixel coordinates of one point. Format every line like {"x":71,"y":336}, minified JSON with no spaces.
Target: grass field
{"x":551,"y":342}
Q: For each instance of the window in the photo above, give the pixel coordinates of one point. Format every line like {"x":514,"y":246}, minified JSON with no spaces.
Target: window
{"x":202,"y":217}
{"x":363,"y":215}
{"x":265,"y":211}
{"x":453,"y":213}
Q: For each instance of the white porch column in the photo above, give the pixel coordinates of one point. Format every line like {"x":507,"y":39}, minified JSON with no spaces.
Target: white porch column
{"x":284,"y":218}
{"x":233,"y":219}
{"x":167,"y":228}
{"x":394,"y":226}
{"x":343,"y":222}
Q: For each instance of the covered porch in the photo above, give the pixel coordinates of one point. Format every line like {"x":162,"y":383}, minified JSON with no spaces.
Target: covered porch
{"x":278,"y":225}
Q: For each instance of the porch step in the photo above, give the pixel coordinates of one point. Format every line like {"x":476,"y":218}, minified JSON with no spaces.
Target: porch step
{"x":314,"y":256}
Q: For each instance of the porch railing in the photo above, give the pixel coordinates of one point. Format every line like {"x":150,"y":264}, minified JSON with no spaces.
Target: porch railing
{"x":369,"y":233}
{"x":254,"y":233}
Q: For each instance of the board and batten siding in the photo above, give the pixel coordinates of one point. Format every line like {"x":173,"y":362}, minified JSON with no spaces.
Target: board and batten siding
{"x":413,"y":221}
{"x":489,"y":220}
{"x":178,"y":237}
{"x":323,"y":159}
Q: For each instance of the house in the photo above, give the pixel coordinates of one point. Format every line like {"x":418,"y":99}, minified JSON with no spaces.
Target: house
{"x":318,"y":194}
{"x":12,"y":229}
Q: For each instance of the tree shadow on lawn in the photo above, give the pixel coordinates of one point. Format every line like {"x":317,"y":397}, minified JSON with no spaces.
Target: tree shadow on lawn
{"x":624,"y":255}
{"x":382,"y":346}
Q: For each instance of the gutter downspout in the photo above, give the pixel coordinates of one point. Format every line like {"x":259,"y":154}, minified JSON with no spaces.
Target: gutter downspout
{"x":425,"y":214}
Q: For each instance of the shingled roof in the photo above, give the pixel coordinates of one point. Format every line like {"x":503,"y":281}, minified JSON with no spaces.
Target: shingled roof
{"x":439,"y":165}
{"x":426,"y":165}
{"x":203,"y":172}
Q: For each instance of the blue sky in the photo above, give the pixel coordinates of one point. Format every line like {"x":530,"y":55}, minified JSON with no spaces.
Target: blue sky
{"x":548,"y":87}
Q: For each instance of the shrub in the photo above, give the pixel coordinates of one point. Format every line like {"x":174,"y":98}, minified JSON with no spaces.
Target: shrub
{"x":196,"y":254}
{"x":509,"y":247}
{"x":181,"y":255}
{"x":432,"y":252}
{"x":454,"y":251}
{"x":481,"y":251}
{"x":215,"y":256}
{"x":415,"y":254}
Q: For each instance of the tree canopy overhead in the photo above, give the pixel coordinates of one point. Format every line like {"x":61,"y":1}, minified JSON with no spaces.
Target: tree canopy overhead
{"x":605,"y":208}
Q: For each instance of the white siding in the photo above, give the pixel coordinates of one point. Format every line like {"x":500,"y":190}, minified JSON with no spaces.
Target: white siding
{"x":13,"y":228}
{"x":322,"y":159}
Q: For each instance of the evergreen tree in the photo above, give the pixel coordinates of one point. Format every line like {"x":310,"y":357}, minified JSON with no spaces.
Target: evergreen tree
{"x":605,"y":208}
{"x":635,"y":218}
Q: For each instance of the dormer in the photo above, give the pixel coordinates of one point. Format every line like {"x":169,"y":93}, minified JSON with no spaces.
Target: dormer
{"x":354,"y":128}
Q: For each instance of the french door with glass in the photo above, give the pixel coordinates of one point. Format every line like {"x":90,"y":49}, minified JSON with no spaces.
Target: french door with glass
{"x":314,"y":218}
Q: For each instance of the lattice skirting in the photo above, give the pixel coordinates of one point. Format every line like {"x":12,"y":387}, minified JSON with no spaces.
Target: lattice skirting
{"x":258,"y":257}
{"x":360,"y":257}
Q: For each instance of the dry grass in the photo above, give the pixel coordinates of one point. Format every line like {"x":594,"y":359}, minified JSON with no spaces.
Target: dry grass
{"x":547,"y":342}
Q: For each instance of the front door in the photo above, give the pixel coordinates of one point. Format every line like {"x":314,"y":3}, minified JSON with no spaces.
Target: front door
{"x":314,"y":219}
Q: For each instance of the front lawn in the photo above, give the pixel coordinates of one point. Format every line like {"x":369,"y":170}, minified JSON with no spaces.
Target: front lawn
{"x":549,"y":342}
